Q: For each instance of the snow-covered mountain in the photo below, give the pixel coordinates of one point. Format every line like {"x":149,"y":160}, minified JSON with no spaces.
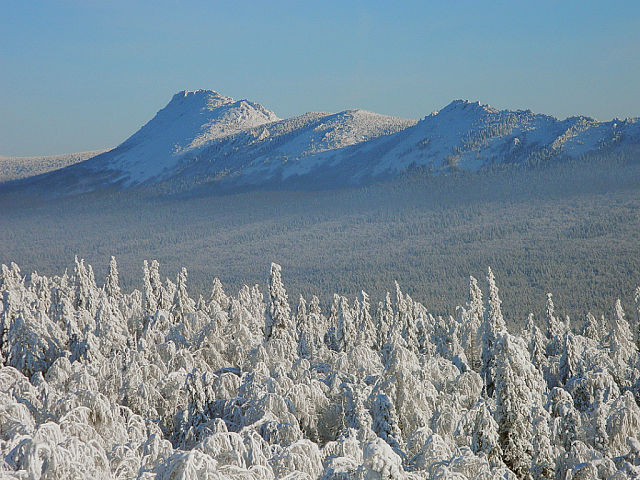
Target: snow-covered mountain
{"x":190,"y":121}
{"x":471,"y":136}
{"x":204,"y":137}
{"x":15,"y":168}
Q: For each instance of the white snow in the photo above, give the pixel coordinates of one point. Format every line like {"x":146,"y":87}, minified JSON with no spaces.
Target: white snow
{"x":15,"y":168}
{"x":204,"y":134}
{"x":98,"y":383}
{"x":188,"y":122}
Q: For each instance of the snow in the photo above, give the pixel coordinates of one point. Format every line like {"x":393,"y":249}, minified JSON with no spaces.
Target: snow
{"x":186,"y":124}
{"x":204,"y":135}
{"x":356,"y":144}
{"x":97,"y":383}
{"x":15,"y":168}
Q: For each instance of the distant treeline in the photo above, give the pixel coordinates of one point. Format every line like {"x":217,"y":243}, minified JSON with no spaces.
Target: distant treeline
{"x":569,"y":227}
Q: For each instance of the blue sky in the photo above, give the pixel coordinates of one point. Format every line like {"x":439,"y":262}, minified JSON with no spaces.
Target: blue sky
{"x":81,"y":75}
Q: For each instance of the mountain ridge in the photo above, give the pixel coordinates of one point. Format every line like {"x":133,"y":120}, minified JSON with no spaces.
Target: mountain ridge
{"x":201,"y":136}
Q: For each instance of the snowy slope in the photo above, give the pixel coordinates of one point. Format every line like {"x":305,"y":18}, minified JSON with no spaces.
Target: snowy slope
{"x":14,"y":168}
{"x":356,"y":146}
{"x":295,"y":146}
{"x":204,"y":137}
{"x":186,"y":124}
{"x":470,"y":136}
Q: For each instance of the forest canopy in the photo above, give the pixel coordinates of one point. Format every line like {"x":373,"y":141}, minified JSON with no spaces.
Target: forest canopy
{"x":154,"y":383}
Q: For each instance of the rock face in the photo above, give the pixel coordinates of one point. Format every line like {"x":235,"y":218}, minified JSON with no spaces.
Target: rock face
{"x":202,"y":137}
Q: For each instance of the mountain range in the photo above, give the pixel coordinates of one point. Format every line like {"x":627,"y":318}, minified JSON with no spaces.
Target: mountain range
{"x":204,"y":138}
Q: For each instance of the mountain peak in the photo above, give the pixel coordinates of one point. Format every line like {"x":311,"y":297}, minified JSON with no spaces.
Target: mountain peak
{"x":202,"y":99}
{"x":468,"y":106}
{"x":190,"y":120}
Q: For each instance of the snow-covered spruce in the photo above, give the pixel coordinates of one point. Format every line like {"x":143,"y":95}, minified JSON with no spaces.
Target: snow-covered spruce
{"x":98,"y":383}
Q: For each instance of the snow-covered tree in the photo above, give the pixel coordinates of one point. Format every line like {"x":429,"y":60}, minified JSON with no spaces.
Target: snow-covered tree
{"x":518,"y":385}
{"x":86,"y":288}
{"x":385,"y":321}
{"x":112,"y":284}
{"x":622,"y":348}
{"x":305,"y":332}
{"x":345,"y":328}
{"x":492,"y":327}
{"x":366,"y":329}
{"x":149,"y":298}
{"x":278,"y":322}
{"x":182,"y":303}
{"x":590,"y":329}
{"x":569,"y":358}
{"x":385,"y":423}
{"x":543,"y":462}
{"x":555,"y":328}
{"x":471,"y":320}
{"x":218,"y":300}
{"x":105,"y":383}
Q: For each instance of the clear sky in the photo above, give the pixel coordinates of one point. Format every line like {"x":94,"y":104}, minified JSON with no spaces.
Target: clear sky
{"x":86,"y":74}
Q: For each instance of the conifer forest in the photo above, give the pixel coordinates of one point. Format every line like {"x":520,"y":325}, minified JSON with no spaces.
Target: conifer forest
{"x":157,"y":384}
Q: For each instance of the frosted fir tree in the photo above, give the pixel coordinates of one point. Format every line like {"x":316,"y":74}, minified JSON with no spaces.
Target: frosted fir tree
{"x":405,"y":320}
{"x":257,"y":307}
{"x":590,"y":328}
{"x":567,"y":422}
{"x":484,"y":435}
{"x":305,"y":333}
{"x":331,"y":336}
{"x":366,"y":329}
{"x":317,"y":327}
{"x":600,"y":412}
{"x":518,"y":385}
{"x":10,"y":277}
{"x":12,"y":301}
{"x":278,"y":323}
{"x":85,"y":287}
{"x":471,"y":320}
{"x":555,"y":329}
{"x":149,"y":299}
{"x":201,"y":305}
{"x":163,"y":293}
{"x":623,"y":424}
{"x":622,"y":348}
{"x":385,"y":422}
{"x":345,"y":329}
{"x":446,"y":339}
{"x":182,"y":303}
{"x":112,"y":286}
{"x":385,"y":318}
{"x":61,"y":293}
{"x":42,"y":290}
{"x":569,"y":358}
{"x":111,"y":327}
{"x":543,"y":461}
{"x":218,"y":300}
{"x":493,"y":326}
{"x":356,"y":415}
{"x":167,"y":294}
{"x":537,"y":344}
{"x":424,"y":325}
{"x":33,"y":343}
